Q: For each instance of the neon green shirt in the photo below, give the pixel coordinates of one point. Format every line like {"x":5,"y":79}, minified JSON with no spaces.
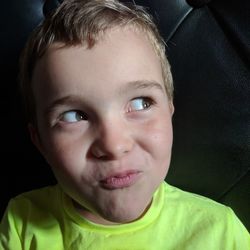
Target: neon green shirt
{"x":45,"y":219}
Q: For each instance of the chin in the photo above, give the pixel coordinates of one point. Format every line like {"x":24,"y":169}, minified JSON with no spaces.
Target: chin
{"x":126,"y":210}
{"x":123,"y":219}
{"x":126,"y":215}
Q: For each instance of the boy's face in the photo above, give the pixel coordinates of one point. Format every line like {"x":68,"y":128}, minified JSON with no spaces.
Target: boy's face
{"x":104,"y":124}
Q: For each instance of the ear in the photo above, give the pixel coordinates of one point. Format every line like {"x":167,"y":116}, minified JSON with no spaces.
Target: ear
{"x":171,"y":107}
{"x":35,"y":138}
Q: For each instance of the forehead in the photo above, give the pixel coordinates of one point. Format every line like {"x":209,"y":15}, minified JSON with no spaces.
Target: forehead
{"x":119,"y":38}
{"x":120,"y":55}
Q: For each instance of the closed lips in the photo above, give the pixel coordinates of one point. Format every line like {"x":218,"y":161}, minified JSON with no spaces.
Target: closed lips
{"x":120,"y":180}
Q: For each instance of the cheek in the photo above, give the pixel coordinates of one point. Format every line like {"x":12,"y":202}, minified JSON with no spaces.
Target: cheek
{"x":158,"y":139}
{"x":62,"y":151}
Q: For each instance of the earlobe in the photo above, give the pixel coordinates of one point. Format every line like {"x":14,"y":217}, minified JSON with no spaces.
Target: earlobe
{"x":34,"y":135}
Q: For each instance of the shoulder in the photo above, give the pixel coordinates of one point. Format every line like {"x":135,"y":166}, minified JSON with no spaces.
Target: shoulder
{"x":191,"y":202}
{"x":38,"y":194}
{"x":39,"y":199}
{"x":202,"y":221}
{"x":196,"y":213}
{"x":31,"y":215}
{"x":196,"y":210}
{"x":34,"y":207}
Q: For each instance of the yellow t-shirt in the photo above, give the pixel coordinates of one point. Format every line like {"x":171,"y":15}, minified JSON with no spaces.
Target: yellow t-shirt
{"x":45,"y":219}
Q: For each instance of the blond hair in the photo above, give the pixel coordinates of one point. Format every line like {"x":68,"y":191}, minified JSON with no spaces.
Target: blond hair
{"x":77,"y":22}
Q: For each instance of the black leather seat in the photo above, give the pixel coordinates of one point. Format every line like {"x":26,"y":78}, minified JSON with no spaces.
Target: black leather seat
{"x":209,"y":50}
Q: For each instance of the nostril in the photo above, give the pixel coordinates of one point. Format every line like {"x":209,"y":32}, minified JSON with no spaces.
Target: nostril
{"x":106,"y":152}
{"x":98,"y":152}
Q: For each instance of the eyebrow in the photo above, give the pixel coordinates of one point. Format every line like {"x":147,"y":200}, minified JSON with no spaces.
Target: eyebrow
{"x":69,"y":100}
{"x":142,"y":84}
{"x":129,"y":86}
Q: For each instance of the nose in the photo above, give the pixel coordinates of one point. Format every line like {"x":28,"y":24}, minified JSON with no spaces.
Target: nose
{"x":113,"y":140}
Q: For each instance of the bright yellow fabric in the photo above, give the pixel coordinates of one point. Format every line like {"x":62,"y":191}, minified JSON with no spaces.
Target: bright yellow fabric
{"x":46,"y":220}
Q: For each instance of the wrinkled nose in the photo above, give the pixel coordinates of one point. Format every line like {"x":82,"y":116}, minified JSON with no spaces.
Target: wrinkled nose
{"x":113,"y":140}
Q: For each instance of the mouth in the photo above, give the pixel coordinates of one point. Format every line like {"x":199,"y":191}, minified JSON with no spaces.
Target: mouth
{"x":120,"y":180}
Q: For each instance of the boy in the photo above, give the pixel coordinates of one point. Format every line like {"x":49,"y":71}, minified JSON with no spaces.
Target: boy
{"x":98,"y":94}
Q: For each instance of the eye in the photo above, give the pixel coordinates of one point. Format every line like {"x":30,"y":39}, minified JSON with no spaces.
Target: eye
{"x":73,"y":116}
{"x":140,"y":103}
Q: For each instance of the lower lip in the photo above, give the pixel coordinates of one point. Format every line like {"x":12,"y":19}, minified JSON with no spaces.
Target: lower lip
{"x":118,"y":182}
